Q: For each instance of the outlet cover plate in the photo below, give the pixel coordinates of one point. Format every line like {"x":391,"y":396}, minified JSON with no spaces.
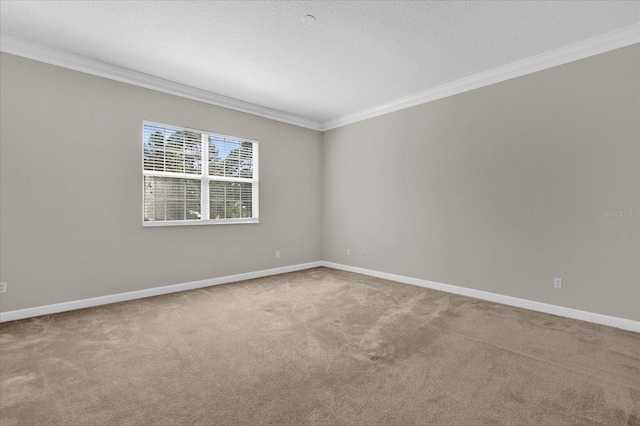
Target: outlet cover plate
{"x":557,"y":282}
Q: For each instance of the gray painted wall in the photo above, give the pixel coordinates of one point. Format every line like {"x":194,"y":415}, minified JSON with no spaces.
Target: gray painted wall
{"x":500,"y":189}
{"x":71,"y":203}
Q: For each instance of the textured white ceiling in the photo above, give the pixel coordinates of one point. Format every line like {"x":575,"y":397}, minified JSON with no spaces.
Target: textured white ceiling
{"x":355,"y":56}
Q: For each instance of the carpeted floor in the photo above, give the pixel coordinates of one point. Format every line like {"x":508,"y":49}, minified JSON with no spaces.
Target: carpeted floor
{"x":316,"y":347}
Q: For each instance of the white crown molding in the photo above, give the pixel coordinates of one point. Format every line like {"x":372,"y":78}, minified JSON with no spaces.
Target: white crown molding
{"x":532,"y":305}
{"x":593,"y":46}
{"x":38,"y":52}
{"x":149,"y":292}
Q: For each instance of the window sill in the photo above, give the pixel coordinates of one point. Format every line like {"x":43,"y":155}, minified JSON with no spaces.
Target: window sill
{"x":152,"y":224}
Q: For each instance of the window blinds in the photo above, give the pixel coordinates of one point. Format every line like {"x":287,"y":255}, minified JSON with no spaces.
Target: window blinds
{"x":197,"y":177}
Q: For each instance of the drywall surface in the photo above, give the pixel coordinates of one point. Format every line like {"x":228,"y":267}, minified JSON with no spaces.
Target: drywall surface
{"x":501,"y":189}
{"x":71,"y":191}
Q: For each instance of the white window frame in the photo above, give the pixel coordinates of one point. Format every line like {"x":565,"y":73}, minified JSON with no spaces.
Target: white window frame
{"x":204,"y":181}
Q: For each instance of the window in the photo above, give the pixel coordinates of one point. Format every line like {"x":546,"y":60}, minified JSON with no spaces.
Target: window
{"x":192,"y":177}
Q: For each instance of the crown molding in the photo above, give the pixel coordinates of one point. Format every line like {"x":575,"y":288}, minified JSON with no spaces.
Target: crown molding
{"x":38,"y":52}
{"x":614,"y":40}
{"x":593,"y":46}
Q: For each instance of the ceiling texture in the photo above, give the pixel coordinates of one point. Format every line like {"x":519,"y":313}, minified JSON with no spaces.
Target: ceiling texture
{"x":353,"y":57}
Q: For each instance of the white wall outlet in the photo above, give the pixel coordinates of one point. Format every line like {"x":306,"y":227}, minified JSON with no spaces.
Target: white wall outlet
{"x":364,"y":254}
{"x":557,"y":282}
{"x":3,"y":287}
{"x":348,"y":252}
{"x":277,"y":253}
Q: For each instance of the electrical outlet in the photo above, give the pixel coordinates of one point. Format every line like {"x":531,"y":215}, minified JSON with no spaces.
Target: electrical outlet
{"x":277,"y":253}
{"x":3,"y":287}
{"x":557,"y":282}
{"x":348,"y":252}
{"x":364,"y":254}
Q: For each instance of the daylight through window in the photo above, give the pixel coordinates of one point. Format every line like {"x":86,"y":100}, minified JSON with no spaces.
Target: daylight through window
{"x":192,"y":177}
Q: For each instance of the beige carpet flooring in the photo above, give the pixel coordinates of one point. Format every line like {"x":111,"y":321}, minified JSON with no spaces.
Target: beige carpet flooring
{"x":316,"y":347}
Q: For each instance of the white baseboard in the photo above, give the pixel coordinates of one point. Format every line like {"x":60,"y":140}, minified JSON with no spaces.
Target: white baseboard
{"x":622,"y":323}
{"x":140,"y":294}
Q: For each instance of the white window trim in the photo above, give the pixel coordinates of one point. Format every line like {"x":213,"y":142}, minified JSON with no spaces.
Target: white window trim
{"x":205,"y":179}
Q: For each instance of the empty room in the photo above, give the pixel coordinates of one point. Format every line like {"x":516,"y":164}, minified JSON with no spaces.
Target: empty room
{"x":319,"y":213}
